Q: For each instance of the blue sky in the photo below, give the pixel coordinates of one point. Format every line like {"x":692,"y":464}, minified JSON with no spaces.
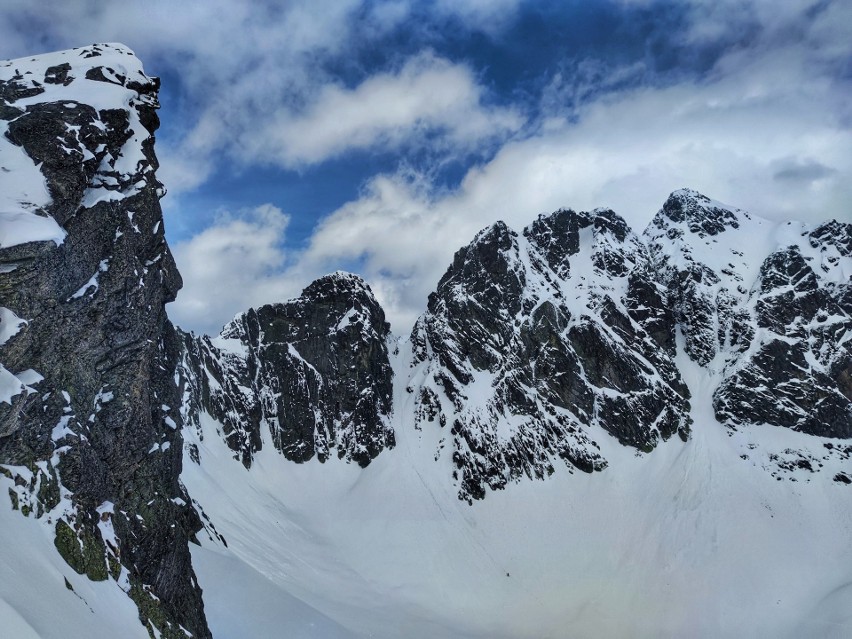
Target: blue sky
{"x":303,"y":137}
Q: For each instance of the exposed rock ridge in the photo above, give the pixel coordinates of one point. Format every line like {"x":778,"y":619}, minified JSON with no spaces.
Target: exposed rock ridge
{"x":765,"y":307}
{"x":312,"y":374}
{"x":90,"y":432}
{"x":534,"y":344}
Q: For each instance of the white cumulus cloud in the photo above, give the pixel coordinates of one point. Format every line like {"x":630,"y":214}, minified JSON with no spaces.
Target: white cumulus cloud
{"x":762,"y":131}
{"x":233,"y":264}
{"x":388,"y":110}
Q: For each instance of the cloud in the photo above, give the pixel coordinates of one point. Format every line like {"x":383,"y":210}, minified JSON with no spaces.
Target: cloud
{"x":427,"y":96}
{"x":246,"y":68}
{"x":734,"y":135}
{"x":489,"y":16}
{"x":258,"y":81}
{"x":738,"y":22}
{"x":231,"y":265}
{"x":804,"y":172}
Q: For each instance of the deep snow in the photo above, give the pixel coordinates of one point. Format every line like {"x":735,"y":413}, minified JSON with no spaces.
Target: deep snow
{"x":689,"y":540}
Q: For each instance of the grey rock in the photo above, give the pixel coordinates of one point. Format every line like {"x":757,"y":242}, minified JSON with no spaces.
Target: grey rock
{"x":102,"y":428}
{"x":314,"y":371}
{"x":531,"y":340}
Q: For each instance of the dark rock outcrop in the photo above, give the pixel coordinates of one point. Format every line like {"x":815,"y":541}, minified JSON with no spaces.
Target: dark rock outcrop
{"x":314,"y":370}
{"x":531,"y":342}
{"x":93,"y":439}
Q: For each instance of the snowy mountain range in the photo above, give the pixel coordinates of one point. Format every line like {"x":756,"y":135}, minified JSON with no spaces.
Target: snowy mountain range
{"x":588,"y":432}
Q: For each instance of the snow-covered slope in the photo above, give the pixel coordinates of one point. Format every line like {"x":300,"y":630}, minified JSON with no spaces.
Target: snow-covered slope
{"x":576,"y":340}
{"x":346,"y":483}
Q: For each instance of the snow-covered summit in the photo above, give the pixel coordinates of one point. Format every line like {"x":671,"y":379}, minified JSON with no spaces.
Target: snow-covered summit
{"x":99,"y":103}
{"x":536,"y":344}
{"x":693,"y":232}
{"x":703,"y":215}
{"x":43,"y":75}
{"x":764,"y":307}
{"x":312,"y":374}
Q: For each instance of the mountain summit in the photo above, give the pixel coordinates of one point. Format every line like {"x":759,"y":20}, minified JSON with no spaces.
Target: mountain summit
{"x":588,"y":431}
{"x":764,"y":308}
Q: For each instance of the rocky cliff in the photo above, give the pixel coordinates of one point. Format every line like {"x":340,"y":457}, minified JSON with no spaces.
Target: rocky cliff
{"x":550,"y":350}
{"x":90,"y":430}
{"x":311,"y":374}
{"x":534,"y":343}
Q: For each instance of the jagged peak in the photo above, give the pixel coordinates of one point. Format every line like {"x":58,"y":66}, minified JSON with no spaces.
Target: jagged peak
{"x":605,"y":219}
{"x":341,"y":293}
{"x":687,"y":234}
{"x":557,"y":236}
{"x":339,"y":282}
{"x":698,"y":213}
{"x":686,"y":192}
{"x":558,"y":214}
{"x":74,"y":99}
{"x":498,"y":231}
{"x":546,"y":222}
{"x":491,"y":250}
{"x":71,"y":71}
{"x":568,"y":220}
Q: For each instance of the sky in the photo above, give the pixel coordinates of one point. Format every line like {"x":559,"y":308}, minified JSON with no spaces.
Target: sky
{"x":303,"y":137}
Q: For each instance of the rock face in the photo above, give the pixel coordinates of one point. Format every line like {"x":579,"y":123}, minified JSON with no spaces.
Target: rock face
{"x":765,"y":308}
{"x":537,"y":344}
{"x":313,"y":372}
{"x":534,"y":342}
{"x":535,"y":348}
{"x":90,"y":414}
{"x":687,"y":233}
{"x":798,"y":371}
